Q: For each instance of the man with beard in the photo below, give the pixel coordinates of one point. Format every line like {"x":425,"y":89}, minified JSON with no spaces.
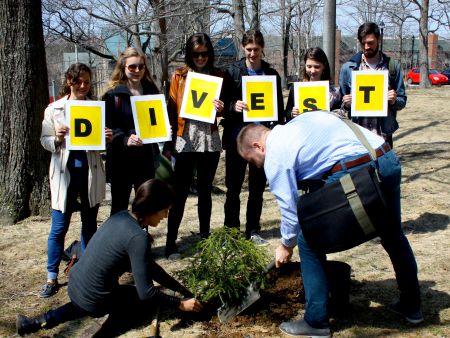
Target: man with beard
{"x":371,"y":58}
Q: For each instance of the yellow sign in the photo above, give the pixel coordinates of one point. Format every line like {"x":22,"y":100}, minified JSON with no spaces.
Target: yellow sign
{"x":86,"y":122}
{"x":199,"y":93}
{"x":260,"y":94}
{"x":150,"y":118}
{"x":311,"y":96}
{"x":369,"y":93}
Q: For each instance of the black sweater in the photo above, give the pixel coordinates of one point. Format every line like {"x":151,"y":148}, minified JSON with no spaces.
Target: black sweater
{"x":118,"y":245}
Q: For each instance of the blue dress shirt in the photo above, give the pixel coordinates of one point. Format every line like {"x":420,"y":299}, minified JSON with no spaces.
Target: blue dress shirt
{"x":305,"y":148}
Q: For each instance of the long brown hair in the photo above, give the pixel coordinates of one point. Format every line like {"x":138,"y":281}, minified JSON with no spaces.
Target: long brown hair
{"x":199,"y":39}
{"x":72,"y":76}
{"x":317,"y":54}
{"x":118,"y":75}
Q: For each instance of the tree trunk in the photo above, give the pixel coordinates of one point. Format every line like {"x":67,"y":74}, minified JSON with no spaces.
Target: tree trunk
{"x":286,"y":38}
{"x":423,"y":45}
{"x":256,"y":22}
{"x":24,"y":187}
{"x":238,"y":19}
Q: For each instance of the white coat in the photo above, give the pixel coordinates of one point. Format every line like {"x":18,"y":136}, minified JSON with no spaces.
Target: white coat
{"x":59,"y":174}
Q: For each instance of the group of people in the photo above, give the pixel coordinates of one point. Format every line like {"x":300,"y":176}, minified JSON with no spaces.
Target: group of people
{"x":282,"y":154}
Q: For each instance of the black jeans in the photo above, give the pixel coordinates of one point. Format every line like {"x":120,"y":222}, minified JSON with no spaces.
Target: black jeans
{"x":235,"y":167}
{"x":123,"y":309}
{"x":206,"y":164}
{"x":123,"y":180}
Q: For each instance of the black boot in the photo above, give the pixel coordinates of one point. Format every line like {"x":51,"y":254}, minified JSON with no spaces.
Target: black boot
{"x":26,"y":325}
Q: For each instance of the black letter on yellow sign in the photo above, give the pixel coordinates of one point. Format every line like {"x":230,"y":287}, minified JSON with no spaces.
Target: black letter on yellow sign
{"x":152,"y":116}
{"x":309,"y":103}
{"x":198,"y":103}
{"x":78,"y":127}
{"x":256,"y":98}
{"x":366,"y":91}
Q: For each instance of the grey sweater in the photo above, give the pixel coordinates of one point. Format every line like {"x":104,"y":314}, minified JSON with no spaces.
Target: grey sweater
{"x":118,"y":245}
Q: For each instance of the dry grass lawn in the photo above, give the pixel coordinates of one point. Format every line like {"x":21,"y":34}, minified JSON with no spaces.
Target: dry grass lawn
{"x":423,"y":144}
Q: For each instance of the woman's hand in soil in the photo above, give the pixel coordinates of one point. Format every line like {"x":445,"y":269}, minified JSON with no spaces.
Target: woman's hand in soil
{"x":283,"y":255}
{"x":191,"y":304}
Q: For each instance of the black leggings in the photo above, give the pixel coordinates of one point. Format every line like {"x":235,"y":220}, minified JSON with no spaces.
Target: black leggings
{"x":206,"y":164}
{"x":122,"y":309}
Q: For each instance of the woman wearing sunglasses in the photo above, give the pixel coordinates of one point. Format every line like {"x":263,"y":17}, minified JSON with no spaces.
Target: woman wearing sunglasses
{"x":129,"y":162}
{"x":197,"y":144}
{"x":316,"y":68}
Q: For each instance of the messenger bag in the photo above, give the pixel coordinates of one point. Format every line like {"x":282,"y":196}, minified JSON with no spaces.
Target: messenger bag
{"x":346,"y":213}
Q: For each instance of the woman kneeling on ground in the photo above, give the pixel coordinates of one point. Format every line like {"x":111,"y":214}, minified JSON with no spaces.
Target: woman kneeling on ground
{"x":119,"y":245}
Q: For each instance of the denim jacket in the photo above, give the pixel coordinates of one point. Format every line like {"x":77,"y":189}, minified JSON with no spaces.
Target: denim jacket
{"x":388,"y":124}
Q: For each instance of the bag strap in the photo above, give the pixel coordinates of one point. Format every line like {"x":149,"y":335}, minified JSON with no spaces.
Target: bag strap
{"x":359,"y":135}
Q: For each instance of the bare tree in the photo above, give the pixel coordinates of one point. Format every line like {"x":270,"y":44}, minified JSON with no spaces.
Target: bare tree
{"x":423,"y":42}
{"x":24,"y":188}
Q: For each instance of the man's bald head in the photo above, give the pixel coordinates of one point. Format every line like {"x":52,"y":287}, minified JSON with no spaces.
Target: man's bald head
{"x":251,"y":143}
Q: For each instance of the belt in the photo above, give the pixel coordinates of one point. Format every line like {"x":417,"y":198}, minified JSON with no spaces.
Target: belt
{"x":384,"y":148}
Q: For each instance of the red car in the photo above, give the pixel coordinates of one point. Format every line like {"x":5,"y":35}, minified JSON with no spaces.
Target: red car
{"x":435,"y":77}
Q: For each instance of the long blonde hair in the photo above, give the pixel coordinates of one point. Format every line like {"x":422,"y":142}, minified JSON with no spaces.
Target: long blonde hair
{"x":118,"y":75}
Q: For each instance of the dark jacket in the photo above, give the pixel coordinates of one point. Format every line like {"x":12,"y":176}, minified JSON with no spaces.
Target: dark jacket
{"x":388,"y":124}
{"x":119,"y":117}
{"x":234,"y":121}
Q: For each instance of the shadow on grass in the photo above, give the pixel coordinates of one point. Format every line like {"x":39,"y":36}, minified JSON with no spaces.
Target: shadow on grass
{"x":382,"y":293}
{"x":427,"y":222}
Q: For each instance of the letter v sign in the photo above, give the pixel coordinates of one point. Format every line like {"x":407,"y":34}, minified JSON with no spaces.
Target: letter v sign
{"x":197,"y":103}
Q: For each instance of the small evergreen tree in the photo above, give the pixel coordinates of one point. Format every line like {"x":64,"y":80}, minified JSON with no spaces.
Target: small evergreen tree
{"x":223,"y":266}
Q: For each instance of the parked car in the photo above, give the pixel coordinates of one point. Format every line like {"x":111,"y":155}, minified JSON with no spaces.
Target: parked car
{"x":446,"y":72}
{"x":413,"y":76}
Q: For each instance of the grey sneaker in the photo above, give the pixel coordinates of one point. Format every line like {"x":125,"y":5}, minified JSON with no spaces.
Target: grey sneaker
{"x":258,"y":240}
{"x":49,"y":290}
{"x":413,"y":317}
{"x":300,"y":328}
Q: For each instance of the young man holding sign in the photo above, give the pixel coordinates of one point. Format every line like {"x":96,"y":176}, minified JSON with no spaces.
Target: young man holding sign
{"x":371,"y":58}
{"x":235,"y":165}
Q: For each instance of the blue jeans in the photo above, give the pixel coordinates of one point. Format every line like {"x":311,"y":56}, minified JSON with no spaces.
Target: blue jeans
{"x":395,"y":243}
{"x":60,"y":221}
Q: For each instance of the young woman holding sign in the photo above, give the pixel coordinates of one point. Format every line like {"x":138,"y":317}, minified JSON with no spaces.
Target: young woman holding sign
{"x":316,"y":68}
{"x":129,"y":162}
{"x":73,"y":174}
{"x":235,"y":166}
{"x":196,"y":144}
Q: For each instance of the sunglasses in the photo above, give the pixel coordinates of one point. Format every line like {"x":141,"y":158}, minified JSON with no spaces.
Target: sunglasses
{"x":133,"y":67}
{"x":196,"y":55}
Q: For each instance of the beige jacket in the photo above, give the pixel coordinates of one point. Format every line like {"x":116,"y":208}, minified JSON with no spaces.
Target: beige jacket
{"x":59,"y":175}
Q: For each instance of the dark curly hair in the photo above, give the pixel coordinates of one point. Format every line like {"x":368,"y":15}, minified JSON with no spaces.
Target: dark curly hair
{"x":72,"y":76}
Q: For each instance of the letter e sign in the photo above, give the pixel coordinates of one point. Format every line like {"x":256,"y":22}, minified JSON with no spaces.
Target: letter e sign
{"x":260,"y":94}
